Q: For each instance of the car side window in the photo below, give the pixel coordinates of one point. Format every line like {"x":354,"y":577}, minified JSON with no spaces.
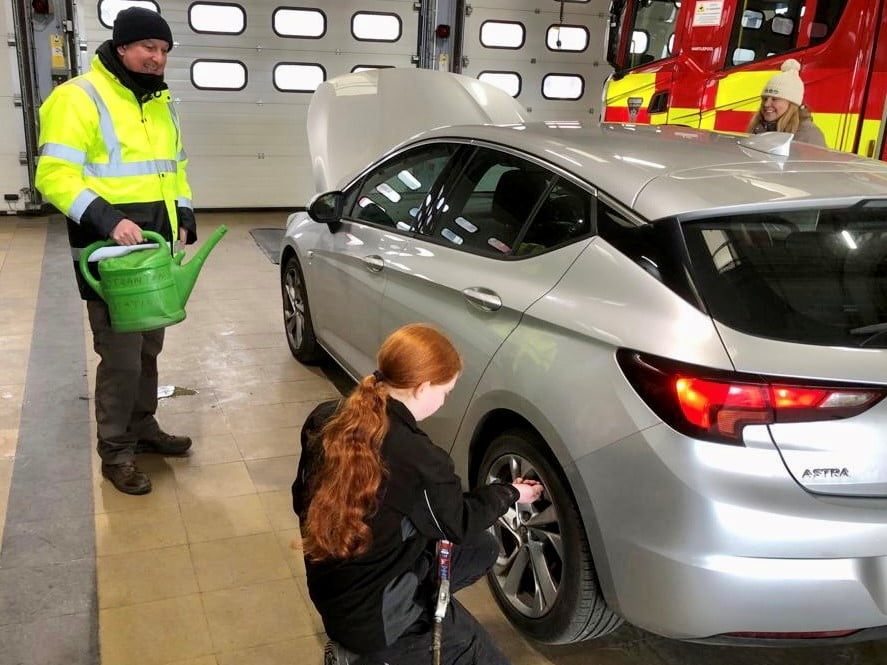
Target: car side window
{"x":397,"y":193}
{"x":633,"y":239}
{"x":565,"y":215}
{"x":656,"y":247}
{"x":490,"y":203}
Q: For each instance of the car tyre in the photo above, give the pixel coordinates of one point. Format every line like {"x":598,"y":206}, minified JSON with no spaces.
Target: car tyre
{"x":544,"y":578}
{"x":297,"y":315}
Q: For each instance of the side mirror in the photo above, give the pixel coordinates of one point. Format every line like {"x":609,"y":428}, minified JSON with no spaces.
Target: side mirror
{"x":326,"y":208}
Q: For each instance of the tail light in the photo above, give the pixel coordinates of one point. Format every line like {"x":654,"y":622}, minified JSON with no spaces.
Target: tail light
{"x":715,"y":405}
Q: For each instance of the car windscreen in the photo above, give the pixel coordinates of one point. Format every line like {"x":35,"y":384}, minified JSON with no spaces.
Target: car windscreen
{"x":815,"y":276}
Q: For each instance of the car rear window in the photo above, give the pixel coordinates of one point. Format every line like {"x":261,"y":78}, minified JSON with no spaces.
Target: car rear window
{"x":810,"y":276}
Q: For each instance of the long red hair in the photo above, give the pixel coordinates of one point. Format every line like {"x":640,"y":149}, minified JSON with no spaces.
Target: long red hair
{"x":345,"y":487}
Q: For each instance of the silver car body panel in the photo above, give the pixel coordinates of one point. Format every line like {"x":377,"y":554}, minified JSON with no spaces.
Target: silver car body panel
{"x":735,"y":544}
{"x":478,"y":307}
{"x":573,"y":331}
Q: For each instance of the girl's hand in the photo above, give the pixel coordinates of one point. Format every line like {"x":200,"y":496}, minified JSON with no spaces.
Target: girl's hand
{"x":530,"y":490}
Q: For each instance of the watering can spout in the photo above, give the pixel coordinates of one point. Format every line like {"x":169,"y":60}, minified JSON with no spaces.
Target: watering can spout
{"x":186,"y":274}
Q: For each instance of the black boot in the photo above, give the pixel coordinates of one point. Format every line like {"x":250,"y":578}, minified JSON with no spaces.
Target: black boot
{"x":127,"y":478}
{"x":164,"y":444}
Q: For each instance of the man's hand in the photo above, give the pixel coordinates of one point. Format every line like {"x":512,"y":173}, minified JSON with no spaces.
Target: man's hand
{"x":127,"y":232}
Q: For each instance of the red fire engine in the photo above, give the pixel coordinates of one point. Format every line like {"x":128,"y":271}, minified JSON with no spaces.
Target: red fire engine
{"x":703,"y":63}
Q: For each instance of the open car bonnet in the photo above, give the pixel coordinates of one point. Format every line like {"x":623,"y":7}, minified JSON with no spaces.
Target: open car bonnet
{"x":355,"y":118}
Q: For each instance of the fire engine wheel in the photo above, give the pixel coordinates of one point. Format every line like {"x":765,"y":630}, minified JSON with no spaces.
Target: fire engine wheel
{"x":544,"y":579}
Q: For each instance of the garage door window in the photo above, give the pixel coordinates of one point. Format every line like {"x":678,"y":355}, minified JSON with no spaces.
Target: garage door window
{"x":567,"y":38}
{"x":510,"y":82}
{"x":563,"y":86}
{"x":218,"y":18}
{"x":490,"y":203}
{"x":108,"y":9}
{"x":298,"y":76}
{"x":398,"y":194}
{"x":304,"y":23}
{"x":502,"y":34}
{"x":368,"y":68}
{"x":218,"y":74}
{"x":376,"y":27}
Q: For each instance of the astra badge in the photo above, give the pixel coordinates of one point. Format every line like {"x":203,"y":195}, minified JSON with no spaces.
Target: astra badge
{"x":826,"y":473}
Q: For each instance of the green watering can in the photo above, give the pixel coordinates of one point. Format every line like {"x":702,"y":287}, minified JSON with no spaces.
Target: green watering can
{"x":146,"y":289}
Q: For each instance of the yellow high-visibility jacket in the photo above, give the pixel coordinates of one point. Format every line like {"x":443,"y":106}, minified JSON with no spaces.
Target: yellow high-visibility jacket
{"x":105,"y":157}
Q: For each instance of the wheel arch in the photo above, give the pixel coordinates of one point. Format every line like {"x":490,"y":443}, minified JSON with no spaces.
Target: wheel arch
{"x":495,"y":421}
{"x":286,"y":253}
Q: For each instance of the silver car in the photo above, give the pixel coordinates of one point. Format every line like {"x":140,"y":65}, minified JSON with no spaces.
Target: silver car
{"x":682,"y":334}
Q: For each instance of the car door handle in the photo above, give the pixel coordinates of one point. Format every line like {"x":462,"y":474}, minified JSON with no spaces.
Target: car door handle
{"x":374,"y":263}
{"x":482,"y":298}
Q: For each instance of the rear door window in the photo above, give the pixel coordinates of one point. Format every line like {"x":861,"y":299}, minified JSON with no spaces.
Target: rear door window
{"x":490,"y":202}
{"x":808,"y":276}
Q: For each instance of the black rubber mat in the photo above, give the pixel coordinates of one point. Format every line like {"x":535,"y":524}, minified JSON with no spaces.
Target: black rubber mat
{"x":268,"y":241}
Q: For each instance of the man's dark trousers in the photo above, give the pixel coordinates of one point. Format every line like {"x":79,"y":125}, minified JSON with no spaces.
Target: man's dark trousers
{"x":125,"y":385}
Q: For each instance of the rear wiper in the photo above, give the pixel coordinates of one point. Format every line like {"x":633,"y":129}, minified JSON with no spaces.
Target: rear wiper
{"x":874,"y":330}
{"x":866,"y":330}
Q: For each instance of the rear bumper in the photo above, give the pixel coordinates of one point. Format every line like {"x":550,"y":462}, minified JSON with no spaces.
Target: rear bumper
{"x":709,"y":539}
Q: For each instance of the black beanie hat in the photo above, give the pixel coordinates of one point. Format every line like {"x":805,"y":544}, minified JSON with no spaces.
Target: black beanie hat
{"x":136,"y":23}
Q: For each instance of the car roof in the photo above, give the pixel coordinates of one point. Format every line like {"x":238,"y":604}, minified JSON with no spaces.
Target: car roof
{"x":662,"y":171}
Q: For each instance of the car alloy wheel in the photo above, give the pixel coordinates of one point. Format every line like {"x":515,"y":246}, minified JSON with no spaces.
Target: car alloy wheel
{"x":529,"y":568}
{"x":544,"y":578}
{"x":296,"y":314}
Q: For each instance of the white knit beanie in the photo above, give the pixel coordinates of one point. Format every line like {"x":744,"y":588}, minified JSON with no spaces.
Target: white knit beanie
{"x":787,"y":84}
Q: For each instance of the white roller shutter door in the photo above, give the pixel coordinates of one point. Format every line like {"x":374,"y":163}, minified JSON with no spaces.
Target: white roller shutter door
{"x":248,"y":148}
{"x":533,"y":61}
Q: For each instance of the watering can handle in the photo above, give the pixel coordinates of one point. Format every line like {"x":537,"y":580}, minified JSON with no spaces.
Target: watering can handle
{"x":85,"y":254}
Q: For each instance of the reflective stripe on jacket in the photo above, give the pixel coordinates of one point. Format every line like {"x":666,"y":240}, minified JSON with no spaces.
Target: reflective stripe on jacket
{"x":97,"y":142}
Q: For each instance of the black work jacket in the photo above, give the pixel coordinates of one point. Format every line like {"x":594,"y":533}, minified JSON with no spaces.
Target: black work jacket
{"x":367,"y":602}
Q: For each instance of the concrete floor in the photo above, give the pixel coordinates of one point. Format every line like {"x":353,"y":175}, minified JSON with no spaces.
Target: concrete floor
{"x":202,"y":570}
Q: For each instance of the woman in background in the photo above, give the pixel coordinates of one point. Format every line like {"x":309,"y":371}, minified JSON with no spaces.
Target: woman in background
{"x":782,"y":107}
{"x":374,"y":495}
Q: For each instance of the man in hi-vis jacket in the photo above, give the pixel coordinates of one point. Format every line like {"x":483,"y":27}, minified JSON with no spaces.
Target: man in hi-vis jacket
{"x":111,"y":160}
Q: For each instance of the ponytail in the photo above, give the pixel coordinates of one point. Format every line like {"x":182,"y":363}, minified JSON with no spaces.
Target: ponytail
{"x":348,"y":480}
{"x":345,"y":488}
